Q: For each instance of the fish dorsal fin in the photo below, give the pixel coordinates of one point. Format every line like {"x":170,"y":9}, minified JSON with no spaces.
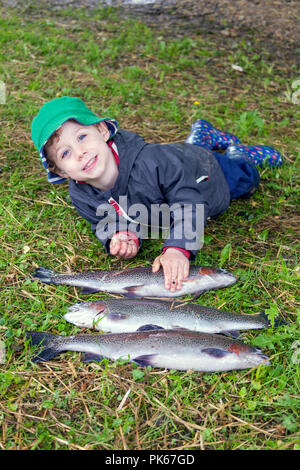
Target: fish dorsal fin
{"x":149,"y":327}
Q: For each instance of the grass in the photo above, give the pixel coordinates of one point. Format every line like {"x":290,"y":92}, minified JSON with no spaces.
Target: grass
{"x":157,"y":87}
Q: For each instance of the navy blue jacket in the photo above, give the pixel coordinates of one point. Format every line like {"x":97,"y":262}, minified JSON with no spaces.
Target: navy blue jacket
{"x":154,"y":174}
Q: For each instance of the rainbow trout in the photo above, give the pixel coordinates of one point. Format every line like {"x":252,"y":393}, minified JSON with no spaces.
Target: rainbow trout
{"x":140,"y":282}
{"x":121,"y":315}
{"x":169,"y":349}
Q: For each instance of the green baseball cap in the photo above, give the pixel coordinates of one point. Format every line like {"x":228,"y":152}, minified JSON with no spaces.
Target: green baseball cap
{"x":52,"y":115}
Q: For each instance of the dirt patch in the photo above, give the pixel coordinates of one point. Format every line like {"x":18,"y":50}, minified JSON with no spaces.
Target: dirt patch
{"x":276,"y":18}
{"x":273,"y":22}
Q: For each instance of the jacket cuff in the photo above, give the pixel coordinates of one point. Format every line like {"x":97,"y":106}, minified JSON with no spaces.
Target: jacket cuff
{"x":185,"y":252}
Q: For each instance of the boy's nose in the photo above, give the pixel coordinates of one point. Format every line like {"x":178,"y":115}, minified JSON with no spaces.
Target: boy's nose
{"x":80,"y":154}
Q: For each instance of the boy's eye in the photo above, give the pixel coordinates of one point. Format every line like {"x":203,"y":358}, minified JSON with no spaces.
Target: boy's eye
{"x":65,"y":154}
{"x":82,"y":136}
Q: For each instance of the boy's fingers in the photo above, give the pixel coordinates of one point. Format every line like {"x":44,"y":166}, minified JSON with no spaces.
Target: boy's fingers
{"x":170,"y":278}
{"x":130,"y":252}
{"x":123,"y":249}
{"x":127,"y":249}
{"x":174,"y":279}
{"x":170,"y":272}
{"x":134,"y":250}
{"x":114,"y":246}
{"x":182,"y":274}
{"x":179,"y":279}
{"x":174,"y":272}
{"x":156,"y":264}
{"x":186,"y":270}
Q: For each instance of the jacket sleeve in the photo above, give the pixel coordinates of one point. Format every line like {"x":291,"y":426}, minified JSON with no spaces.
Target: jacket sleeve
{"x":104,"y":217}
{"x":194,"y":187}
{"x":188,"y":216}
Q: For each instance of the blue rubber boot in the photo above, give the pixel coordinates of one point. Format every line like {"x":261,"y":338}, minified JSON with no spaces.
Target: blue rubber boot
{"x":205,"y":135}
{"x":259,"y":155}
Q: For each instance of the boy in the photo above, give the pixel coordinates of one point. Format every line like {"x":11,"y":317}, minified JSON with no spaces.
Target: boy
{"x":106,"y":165}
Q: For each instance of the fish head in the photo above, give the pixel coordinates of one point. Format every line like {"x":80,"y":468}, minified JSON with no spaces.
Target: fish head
{"x":257,"y":357}
{"x":86,"y":314}
{"x":248,"y":355}
{"x":218,"y":276}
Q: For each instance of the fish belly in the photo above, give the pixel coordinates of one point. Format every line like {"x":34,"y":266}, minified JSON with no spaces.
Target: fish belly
{"x":199,"y":362}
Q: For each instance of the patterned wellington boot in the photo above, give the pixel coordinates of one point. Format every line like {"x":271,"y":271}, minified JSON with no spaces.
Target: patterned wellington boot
{"x":260,"y":155}
{"x":205,"y":135}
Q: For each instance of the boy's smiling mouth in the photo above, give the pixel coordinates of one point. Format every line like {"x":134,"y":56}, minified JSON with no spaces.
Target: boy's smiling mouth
{"x":90,"y":164}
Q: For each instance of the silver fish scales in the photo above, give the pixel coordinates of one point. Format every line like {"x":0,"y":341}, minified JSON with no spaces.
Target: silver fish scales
{"x":124,"y":315}
{"x":139,"y":282}
{"x":170,"y":349}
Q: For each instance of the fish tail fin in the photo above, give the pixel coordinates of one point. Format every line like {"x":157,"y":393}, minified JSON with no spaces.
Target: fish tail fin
{"x":47,"y":342}
{"x":278,"y":321}
{"x":44,"y":275}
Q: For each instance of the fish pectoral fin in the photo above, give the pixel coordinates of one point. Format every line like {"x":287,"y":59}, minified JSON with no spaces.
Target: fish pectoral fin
{"x":216,"y":352}
{"x":92,"y":357}
{"x":149,"y":327}
{"x":145,"y":360}
{"x":131,"y":291}
{"x":89,"y":290}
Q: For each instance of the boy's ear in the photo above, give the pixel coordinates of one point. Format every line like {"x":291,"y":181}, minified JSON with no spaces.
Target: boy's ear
{"x":103,"y":129}
{"x":61,"y":173}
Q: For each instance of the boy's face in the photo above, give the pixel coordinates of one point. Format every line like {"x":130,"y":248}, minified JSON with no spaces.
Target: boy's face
{"x":81,"y":153}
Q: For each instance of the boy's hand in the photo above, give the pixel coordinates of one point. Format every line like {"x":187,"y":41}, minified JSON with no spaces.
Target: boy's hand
{"x":123,"y":245}
{"x":176,"y":267}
